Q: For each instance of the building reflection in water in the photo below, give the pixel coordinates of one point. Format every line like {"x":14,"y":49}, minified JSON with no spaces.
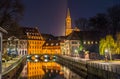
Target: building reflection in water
{"x":40,"y":70}
{"x":68,"y":74}
{"x":47,"y":70}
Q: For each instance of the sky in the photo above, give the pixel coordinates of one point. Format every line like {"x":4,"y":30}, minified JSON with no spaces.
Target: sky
{"x":49,"y":15}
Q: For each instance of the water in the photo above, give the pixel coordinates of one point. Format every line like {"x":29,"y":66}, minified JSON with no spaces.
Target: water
{"x":47,"y":70}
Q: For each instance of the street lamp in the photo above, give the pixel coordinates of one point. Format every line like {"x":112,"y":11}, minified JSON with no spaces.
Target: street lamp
{"x":106,"y":54}
{"x":76,"y":52}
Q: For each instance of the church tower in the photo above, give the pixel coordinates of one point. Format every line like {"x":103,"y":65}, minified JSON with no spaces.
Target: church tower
{"x":68,"y":27}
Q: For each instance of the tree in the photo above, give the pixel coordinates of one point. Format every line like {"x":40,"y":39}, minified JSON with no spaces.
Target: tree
{"x":107,"y":46}
{"x":118,"y":44}
{"x":81,"y":23}
{"x":10,"y":13}
{"x":114,"y":18}
{"x":99,"y":22}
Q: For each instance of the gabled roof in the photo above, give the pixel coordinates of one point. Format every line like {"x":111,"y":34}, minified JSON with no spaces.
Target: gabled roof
{"x":31,"y":31}
{"x":48,"y":36}
{"x":74,"y":36}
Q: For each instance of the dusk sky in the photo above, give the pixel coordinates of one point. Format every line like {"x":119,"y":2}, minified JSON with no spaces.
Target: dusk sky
{"x":49,"y":15}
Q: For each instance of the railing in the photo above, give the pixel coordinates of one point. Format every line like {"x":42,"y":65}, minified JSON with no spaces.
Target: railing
{"x":107,"y":71}
{"x":96,"y":70}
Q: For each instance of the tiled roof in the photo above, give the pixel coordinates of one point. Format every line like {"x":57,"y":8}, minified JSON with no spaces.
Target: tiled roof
{"x":84,"y":35}
{"x":33,"y":32}
{"x":52,"y":43}
{"x":48,"y":37}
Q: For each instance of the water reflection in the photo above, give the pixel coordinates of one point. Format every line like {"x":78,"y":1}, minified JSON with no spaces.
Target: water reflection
{"x":47,"y":70}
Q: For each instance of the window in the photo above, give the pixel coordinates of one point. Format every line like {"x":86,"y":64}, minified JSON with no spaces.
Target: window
{"x":88,"y":42}
{"x":84,"y":42}
{"x":74,"y":42}
{"x":56,"y":44}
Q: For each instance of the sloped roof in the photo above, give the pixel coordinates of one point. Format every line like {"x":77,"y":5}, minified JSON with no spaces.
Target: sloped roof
{"x":3,"y":30}
{"x":52,"y":43}
{"x":74,"y":36}
{"x":48,"y":36}
{"x":31,"y":31}
{"x":84,"y":35}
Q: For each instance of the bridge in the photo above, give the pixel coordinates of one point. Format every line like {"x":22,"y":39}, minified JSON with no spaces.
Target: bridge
{"x":41,"y":57}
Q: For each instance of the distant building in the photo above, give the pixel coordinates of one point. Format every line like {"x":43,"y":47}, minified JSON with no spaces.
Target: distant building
{"x":68,"y":25}
{"x":89,"y":41}
{"x":12,"y":46}
{"x":22,"y":47}
{"x":51,"y":45}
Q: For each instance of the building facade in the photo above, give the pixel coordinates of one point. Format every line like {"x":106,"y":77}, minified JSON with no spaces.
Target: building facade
{"x":34,"y":39}
{"x":81,"y":41}
{"x":51,"y":47}
{"x":22,"y":47}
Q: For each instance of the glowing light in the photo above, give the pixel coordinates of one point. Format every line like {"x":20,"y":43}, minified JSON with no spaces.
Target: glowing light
{"x":45,"y":56}
{"x":46,"y":60}
{"x":36,"y":60}
{"x":36,"y":56}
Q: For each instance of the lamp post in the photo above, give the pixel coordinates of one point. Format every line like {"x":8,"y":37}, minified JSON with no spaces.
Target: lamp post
{"x":106,"y":54}
{"x":76,"y":53}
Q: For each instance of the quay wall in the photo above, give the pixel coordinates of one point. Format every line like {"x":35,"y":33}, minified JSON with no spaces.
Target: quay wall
{"x":88,"y":69}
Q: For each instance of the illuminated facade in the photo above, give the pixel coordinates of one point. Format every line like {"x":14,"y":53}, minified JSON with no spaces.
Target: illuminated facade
{"x":68,"y":26}
{"x":35,"y":40}
{"x":22,"y":47}
{"x":72,"y":44}
{"x":51,"y":47}
{"x":88,"y":40}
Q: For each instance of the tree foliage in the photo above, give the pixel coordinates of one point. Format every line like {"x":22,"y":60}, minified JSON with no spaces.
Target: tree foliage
{"x":118,"y":43}
{"x":99,"y":22}
{"x":82,"y":23}
{"x":108,"y":22}
{"x":114,"y":18}
{"x":10,"y":13}
{"x":107,"y":43}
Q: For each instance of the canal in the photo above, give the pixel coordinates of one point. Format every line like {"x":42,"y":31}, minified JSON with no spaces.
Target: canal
{"x":59,"y":67}
{"x":37,"y":69}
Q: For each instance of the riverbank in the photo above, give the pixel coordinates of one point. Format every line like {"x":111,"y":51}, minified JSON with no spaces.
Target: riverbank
{"x":7,"y":64}
{"x":98,"y":68}
{"x":13,"y":68}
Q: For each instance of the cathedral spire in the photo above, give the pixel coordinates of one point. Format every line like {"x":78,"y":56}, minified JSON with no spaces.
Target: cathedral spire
{"x":68,"y":13}
{"x":68,"y":27}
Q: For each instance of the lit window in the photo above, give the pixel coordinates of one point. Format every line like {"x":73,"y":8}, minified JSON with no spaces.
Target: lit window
{"x":84,"y":42}
{"x":56,"y":44}
{"x":51,"y":44}
{"x":91,"y":42}
{"x":96,"y":42}
{"x":88,"y":42}
{"x":46,"y":44}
